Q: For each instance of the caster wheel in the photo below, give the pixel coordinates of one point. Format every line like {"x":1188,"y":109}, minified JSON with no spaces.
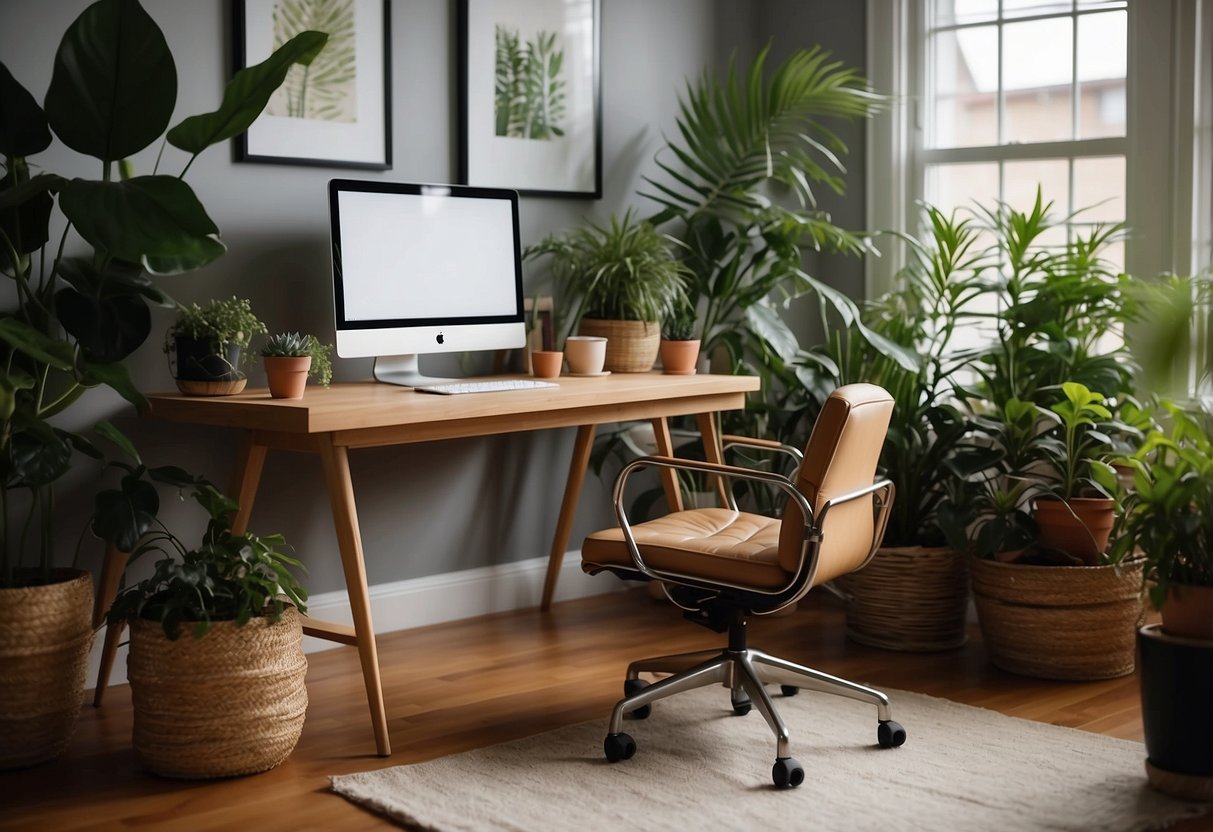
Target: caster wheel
{"x":789,"y":690}
{"x":631,"y":686}
{"x":741,"y":704}
{"x":618,"y":747}
{"x":787,"y":773}
{"x":890,"y":734}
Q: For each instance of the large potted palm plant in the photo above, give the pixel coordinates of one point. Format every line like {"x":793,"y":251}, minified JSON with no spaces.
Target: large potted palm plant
{"x":79,"y":307}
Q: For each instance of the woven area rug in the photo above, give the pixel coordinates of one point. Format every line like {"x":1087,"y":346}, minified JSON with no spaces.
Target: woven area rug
{"x":699,"y":767}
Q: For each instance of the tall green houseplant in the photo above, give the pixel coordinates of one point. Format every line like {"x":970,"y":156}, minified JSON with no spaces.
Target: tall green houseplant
{"x":75,"y":318}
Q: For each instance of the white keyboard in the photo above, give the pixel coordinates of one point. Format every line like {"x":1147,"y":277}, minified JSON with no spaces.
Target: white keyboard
{"x":491,"y":386}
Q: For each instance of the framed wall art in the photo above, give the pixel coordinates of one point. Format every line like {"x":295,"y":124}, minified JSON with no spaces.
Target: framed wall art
{"x":530,"y":96}
{"x":334,"y":112}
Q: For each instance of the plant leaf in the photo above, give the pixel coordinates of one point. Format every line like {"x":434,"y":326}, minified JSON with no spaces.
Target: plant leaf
{"x":114,"y":83}
{"x":154,"y":220}
{"x":37,"y":345}
{"x":23,"y":127}
{"x":246,"y":95}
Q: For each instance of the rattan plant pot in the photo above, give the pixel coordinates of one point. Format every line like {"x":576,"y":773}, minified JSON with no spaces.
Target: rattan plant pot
{"x":631,"y":345}
{"x":46,"y":633}
{"x":229,"y":703}
{"x":911,"y":598}
{"x":1059,"y":622}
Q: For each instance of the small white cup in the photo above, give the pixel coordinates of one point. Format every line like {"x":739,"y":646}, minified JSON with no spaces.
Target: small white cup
{"x":585,"y":354}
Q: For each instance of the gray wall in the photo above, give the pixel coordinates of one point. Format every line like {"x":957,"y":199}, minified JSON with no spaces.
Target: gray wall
{"x":430,"y":508}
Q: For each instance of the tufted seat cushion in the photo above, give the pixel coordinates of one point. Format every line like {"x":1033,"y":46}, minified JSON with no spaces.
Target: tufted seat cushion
{"x":709,"y":543}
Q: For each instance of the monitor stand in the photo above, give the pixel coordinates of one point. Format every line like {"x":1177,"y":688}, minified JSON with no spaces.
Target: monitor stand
{"x":403,"y":370}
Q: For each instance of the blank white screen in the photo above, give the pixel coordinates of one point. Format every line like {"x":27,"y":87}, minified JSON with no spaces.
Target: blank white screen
{"x":427,"y":257}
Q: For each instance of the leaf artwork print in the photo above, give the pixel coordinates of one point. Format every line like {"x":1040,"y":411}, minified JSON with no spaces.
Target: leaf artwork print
{"x":326,"y":89}
{"x":528,"y":88}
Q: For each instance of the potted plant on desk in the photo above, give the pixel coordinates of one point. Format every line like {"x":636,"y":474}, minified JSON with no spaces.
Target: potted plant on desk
{"x":75,"y":313}
{"x":209,"y":343}
{"x":290,"y":359}
{"x":621,"y":280}
{"x":679,"y":346}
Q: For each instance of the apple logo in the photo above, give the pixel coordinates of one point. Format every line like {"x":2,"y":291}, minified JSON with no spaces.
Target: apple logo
{"x":441,"y":338}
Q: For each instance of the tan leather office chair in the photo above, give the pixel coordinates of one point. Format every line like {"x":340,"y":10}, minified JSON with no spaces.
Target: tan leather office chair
{"x":721,"y":565}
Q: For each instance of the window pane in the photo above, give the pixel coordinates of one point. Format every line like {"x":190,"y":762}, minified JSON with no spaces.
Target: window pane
{"x":1031,"y":8}
{"x":963,"y":99}
{"x":1101,"y":4}
{"x":1052,"y":177}
{"x":1038,"y":73}
{"x":947,"y":12}
{"x":956,"y":186}
{"x":1099,"y":188}
{"x":1102,"y":50}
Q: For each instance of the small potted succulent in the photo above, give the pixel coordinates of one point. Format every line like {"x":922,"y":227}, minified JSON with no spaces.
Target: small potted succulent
{"x":209,"y":342}
{"x":290,"y":358}
{"x":679,"y":346}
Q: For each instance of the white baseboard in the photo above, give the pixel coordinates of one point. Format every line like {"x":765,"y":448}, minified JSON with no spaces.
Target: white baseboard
{"x":433,"y":599}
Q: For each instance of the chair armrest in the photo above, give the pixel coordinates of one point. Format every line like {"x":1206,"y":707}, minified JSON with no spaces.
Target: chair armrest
{"x":882,"y":520}
{"x":730,"y":471}
{"x":730,"y":440}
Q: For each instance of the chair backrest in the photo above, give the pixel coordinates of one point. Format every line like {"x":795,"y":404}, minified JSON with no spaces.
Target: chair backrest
{"x":841,"y":456}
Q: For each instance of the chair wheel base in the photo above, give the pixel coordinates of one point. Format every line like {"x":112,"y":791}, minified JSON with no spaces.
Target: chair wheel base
{"x":618,"y":747}
{"x":789,"y":690}
{"x":741,"y":704}
{"x":890,"y":734}
{"x":633,"y":686}
{"x":787,"y":773}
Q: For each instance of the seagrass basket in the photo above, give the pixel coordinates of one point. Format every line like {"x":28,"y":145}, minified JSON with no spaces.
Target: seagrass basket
{"x":1059,"y":622}
{"x":912,"y":598}
{"x":631,"y":345}
{"x":46,"y":633}
{"x":231,"y":702}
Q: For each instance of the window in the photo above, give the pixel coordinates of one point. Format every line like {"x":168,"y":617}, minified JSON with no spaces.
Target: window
{"x":1101,"y":102}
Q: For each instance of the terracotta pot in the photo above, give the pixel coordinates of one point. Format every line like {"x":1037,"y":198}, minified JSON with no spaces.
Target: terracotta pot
{"x":1187,"y":612}
{"x":631,"y":345}
{"x":46,"y":632}
{"x":1079,"y":527}
{"x":287,"y":375}
{"x":679,"y":358}
{"x":546,"y":363}
{"x":231,"y":702}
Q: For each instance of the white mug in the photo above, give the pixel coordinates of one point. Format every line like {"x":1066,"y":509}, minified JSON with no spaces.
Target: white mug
{"x":585,"y":354}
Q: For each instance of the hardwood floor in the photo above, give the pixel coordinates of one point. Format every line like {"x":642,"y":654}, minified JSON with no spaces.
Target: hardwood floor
{"x":466,"y":684}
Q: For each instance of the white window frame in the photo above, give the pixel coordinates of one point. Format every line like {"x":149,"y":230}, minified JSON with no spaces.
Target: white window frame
{"x":1167,"y":136}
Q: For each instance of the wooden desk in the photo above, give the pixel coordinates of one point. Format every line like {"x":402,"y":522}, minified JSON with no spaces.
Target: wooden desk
{"x":330,"y":421}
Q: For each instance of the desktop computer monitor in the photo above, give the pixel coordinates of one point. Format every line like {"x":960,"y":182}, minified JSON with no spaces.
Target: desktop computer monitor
{"x":424,"y":269}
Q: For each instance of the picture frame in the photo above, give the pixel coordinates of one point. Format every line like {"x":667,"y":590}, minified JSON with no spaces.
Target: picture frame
{"x":530,"y":106}
{"x":337,"y":111}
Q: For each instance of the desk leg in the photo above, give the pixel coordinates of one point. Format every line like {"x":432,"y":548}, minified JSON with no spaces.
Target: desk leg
{"x":247,"y":476}
{"x":712,"y":451}
{"x":349,"y":540}
{"x":107,"y":590}
{"x":669,"y":477}
{"x":568,"y":510}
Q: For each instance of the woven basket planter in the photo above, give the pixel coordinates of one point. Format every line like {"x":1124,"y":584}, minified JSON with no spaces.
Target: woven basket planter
{"x":911,"y":598}
{"x":631,"y":345}
{"x":46,"y":633}
{"x":229,"y":703}
{"x":1059,"y":622}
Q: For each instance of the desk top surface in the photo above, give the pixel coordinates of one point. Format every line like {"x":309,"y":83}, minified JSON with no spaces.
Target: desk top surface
{"x":369,"y":405}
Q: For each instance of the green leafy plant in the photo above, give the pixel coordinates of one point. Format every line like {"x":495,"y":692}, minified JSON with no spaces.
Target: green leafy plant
{"x":296,"y":345}
{"x":528,"y":87}
{"x":679,"y":325}
{"x":621,"y":271}
{"x":1168,"y":513}
{"x":228,"y":321}
{"x":228,"y":577}
{"x":1076,"y":446}
{"x":73,"y":318}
